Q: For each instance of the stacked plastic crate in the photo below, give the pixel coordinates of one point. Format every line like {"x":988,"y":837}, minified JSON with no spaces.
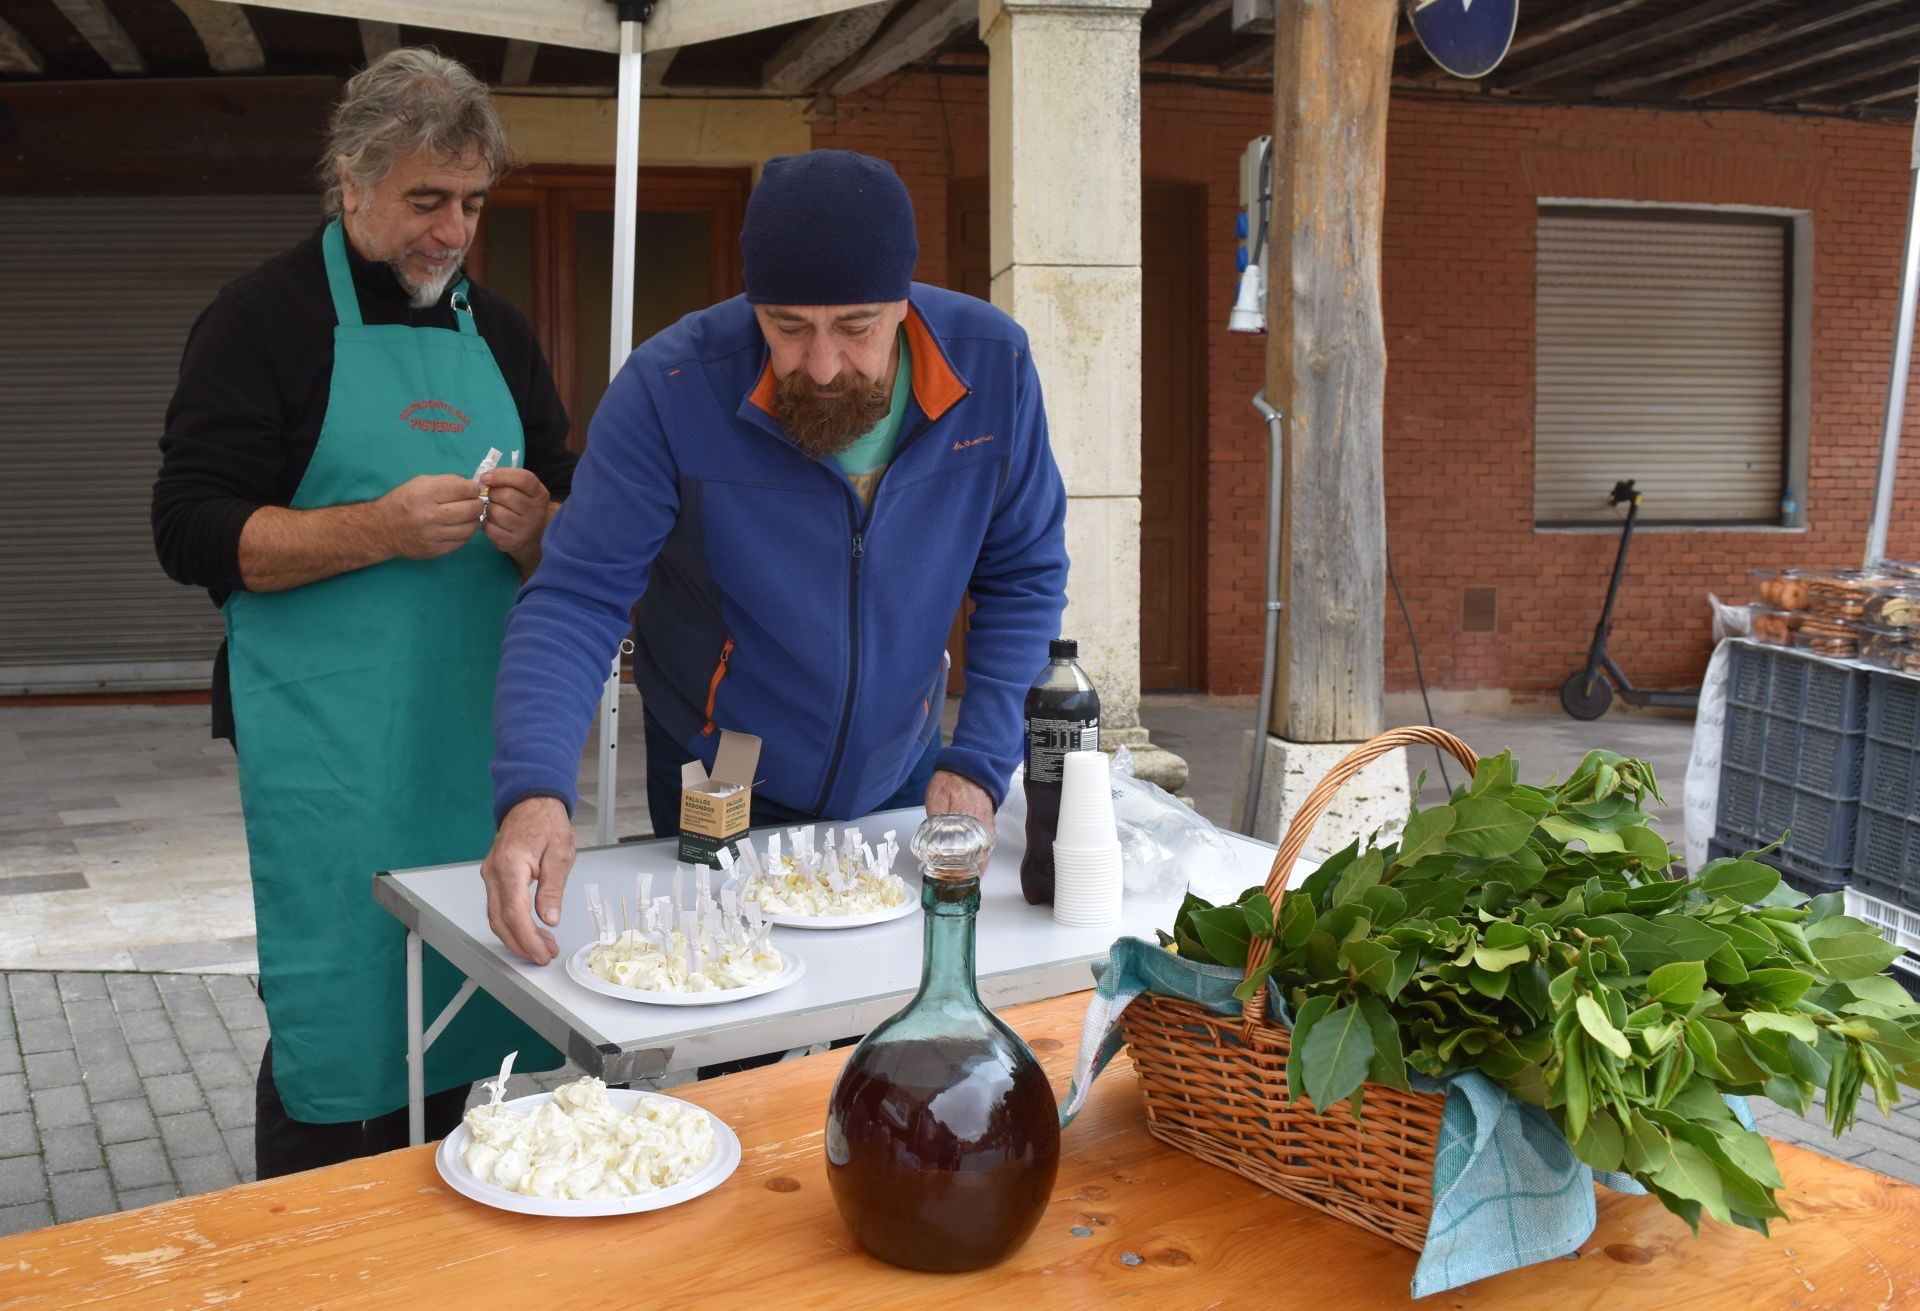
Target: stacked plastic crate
{"x":1737,"y":825}
{"x":1886,"y":884}
{"x":1792,"y":762}
{"x":1889,"y":831}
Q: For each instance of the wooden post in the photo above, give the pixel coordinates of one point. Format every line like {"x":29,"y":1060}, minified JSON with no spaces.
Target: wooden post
{"x":1326,"y":360}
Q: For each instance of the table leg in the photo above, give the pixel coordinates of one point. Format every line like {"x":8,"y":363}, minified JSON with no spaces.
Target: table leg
{"x":416,"y":1046}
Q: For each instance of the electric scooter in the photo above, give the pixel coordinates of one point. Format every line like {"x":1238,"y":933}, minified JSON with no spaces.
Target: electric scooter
{"x":1589,"y":691}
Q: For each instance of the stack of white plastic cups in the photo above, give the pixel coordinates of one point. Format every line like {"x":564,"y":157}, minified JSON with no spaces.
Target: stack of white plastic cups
{"x":1086,"y":844}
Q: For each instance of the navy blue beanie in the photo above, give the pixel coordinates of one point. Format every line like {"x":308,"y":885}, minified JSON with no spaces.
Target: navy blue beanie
{"x":829,"y":227}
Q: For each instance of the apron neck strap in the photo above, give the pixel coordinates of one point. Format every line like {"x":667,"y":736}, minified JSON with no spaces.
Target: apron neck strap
{"x":346,"y":304}
{"x":463,"y":310}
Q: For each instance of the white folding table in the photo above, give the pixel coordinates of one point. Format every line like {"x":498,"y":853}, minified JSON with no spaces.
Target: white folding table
{"x":854,"y":977}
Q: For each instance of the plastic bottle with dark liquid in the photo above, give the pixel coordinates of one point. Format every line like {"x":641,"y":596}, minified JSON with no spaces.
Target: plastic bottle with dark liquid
{"x":943,"y":1136}
{"x":1063,"y":714}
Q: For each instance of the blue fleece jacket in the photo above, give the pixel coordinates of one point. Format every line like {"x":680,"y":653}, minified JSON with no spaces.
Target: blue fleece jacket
{"x":771,"y":601}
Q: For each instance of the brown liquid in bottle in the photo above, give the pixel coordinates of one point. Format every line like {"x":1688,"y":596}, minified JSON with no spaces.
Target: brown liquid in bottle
{"x":946,"y":1152}
{"x":942,"y":1134}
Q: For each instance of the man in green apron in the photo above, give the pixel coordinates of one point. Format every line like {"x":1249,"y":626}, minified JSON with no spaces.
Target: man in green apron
{"x":318,"y":476}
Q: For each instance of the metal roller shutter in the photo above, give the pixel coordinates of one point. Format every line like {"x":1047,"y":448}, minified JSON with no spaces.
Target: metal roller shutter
{"x":1661,"y":356}
{"x":98,"y":295}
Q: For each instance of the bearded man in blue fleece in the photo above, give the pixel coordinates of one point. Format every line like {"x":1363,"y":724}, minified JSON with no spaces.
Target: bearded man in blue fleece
{"x":798,"y":486}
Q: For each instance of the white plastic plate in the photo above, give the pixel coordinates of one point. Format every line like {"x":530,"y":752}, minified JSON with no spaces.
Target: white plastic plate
{"x":900,"y":912}
{"x":451,"y":1160}
{"x":577,"y":971}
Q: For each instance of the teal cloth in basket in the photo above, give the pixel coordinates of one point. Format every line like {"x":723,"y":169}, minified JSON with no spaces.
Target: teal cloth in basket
{"x":1507,"y":1190}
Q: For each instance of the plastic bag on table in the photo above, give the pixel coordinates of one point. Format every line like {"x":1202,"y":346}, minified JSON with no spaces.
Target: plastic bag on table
{"x":1166,"y":846}
{"x":1700,"y":798}
{"x":1729,"y":620}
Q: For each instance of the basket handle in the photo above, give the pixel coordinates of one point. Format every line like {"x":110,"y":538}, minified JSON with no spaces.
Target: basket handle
{"x":1304,"y":819}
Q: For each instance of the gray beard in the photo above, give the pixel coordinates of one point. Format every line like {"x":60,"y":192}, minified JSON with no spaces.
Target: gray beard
{"x":425,"y":295}
{"x":421,"y":295}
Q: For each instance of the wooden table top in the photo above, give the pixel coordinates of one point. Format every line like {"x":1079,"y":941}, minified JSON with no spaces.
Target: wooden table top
{"x":1166,"y":1231}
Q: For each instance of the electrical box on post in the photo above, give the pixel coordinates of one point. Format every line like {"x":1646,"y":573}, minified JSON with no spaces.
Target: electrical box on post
{"x":1250,"y":227}
{"x":1250,"y":230}
{"x":1253,"y":16}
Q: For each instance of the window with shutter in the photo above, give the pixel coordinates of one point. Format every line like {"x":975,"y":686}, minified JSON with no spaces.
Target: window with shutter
{"x":1662,"y":343}
{"x":99,"y":292}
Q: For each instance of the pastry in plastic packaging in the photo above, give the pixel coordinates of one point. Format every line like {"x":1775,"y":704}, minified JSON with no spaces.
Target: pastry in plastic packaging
{"x":1837,"y":639}
{"x":1885,"y":647}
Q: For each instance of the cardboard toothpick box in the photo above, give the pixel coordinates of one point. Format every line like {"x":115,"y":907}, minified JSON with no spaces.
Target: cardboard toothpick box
{"x":716,"y":809}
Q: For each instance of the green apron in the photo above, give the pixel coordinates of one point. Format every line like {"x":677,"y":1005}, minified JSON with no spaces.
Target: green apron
{"x":363,"y":710}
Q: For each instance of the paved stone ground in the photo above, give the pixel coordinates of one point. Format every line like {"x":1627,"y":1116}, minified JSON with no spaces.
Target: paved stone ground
{"x":121,"y":845}
{"x":122,"y":1090}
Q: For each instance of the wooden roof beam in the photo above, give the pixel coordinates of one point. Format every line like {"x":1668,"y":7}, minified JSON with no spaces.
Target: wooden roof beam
{"x":1860,"y":38}
{"x":377,"y":38}
{"x":1164,"y":38}
{"x":1804,"y":22}
{"x":1533,"y":35}
{"x":913,"y":36}
{"x":1673,"y":27}
{"x":227,"y":33}
{"x":516,"y":67}
{"x":17,"y":55}
{"x":1905,"y":88}
{"x":822,"y":46}
{"x":1256,"y":58}
{"x":94,"y":21}
{"x":1808,"y":89}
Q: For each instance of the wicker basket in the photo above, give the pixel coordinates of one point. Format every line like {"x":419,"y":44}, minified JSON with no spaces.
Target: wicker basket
{"x":1216,"y":1085}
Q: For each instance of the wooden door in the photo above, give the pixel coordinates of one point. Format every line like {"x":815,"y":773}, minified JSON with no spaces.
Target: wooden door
{"x":546,"y":244}
{"x":1173,"y":430}
{"x":1173,"y":418}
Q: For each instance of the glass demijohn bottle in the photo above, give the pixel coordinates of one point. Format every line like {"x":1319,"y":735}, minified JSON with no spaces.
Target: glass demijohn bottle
{"x":943,"y":1136}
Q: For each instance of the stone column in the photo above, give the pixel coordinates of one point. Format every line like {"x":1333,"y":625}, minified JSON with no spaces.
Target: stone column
{"x":1064,"y":149}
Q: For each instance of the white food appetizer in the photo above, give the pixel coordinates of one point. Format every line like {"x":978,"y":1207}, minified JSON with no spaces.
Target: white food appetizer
{"x":578,"y":1147}
{"x":822,"y":881}
{"x":635,"y":960}
{"x":708,"y":944}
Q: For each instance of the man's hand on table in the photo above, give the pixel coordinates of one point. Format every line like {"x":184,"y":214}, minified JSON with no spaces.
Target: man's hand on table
{"x":952,"y":794}
{"x":534,"y":845}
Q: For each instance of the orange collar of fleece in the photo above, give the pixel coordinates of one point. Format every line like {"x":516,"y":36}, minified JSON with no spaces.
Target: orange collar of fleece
{"x":936,"y":387}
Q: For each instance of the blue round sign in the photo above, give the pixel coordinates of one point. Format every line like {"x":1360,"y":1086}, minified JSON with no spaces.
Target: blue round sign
{"x":1468,"y":38}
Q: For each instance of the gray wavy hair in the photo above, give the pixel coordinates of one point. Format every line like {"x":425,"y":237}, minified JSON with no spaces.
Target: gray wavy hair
{"x":407,"y":100}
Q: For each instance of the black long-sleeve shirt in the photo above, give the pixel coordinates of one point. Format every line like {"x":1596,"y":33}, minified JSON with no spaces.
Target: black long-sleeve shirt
{"x":253,"y":389}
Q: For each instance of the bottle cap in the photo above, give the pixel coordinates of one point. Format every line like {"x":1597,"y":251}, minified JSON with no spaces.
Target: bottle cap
{"x":952,"y":846}
{"x":1063,"y":648}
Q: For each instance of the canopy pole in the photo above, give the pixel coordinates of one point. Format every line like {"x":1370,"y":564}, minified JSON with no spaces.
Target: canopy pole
{"x":626,"y":187}
{"x":1902,"y":362}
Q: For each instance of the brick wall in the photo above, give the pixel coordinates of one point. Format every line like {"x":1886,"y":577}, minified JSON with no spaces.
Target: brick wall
{"x":933,"y":130}
{"x":1463,"y":183}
